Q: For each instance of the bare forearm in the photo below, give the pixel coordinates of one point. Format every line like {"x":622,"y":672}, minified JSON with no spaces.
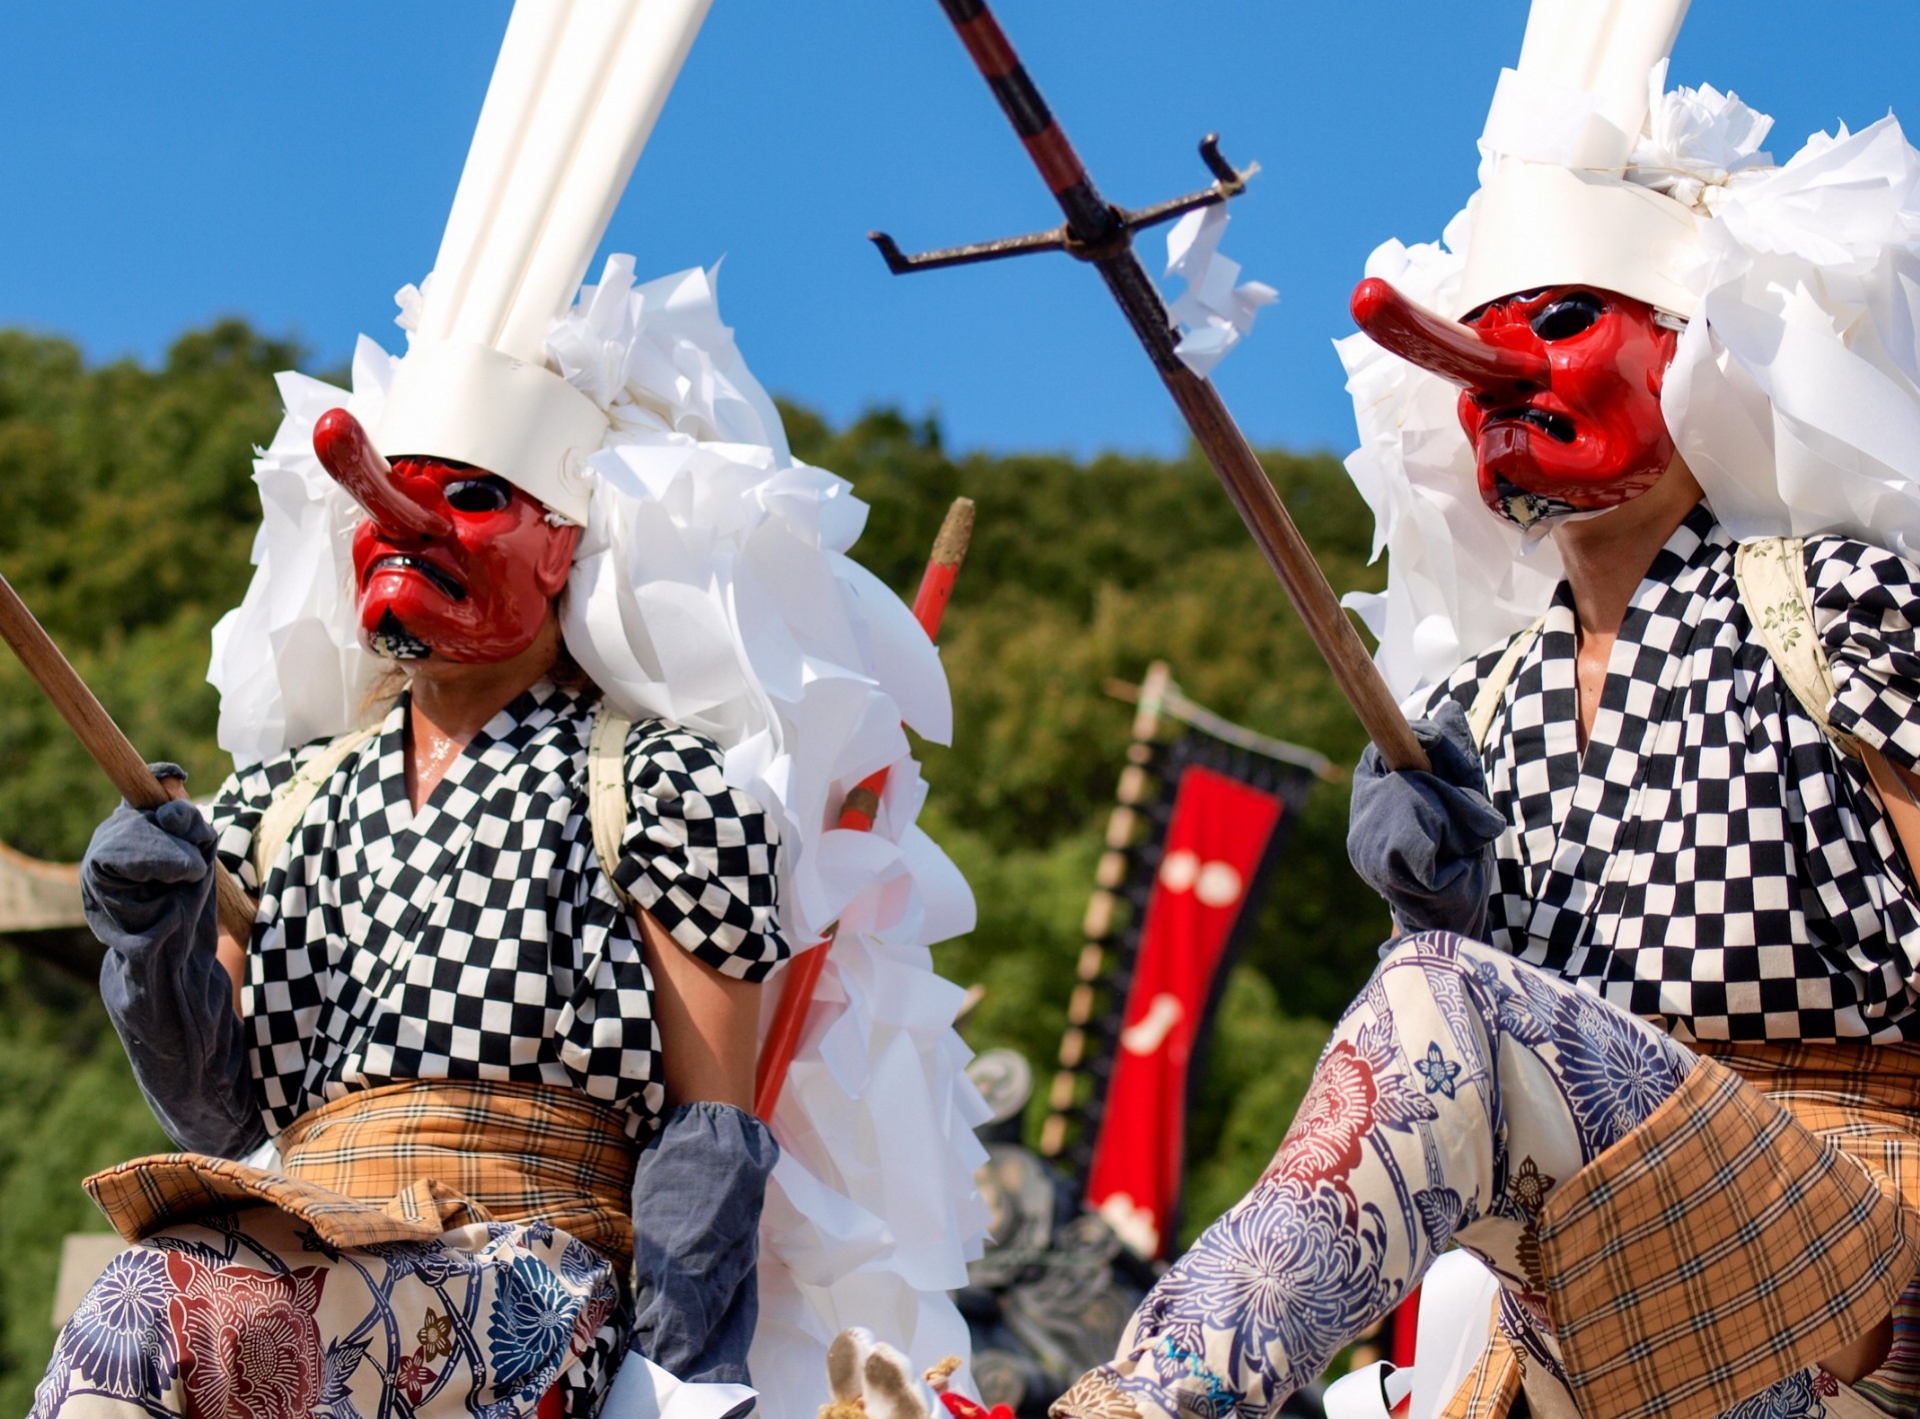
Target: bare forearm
{"x":709,"y":1024}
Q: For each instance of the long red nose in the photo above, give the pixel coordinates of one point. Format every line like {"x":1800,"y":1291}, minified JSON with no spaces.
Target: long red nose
{"x":355,"y":464}
{"x":1455,"y":352}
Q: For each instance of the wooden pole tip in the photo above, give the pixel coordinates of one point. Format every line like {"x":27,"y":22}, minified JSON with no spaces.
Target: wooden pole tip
{"x":950,"y":547}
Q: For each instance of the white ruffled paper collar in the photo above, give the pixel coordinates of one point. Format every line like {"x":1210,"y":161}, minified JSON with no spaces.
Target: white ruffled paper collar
{"x":1698,"y":144}
{"x":712,"y":587}
{"x":1794,"y":394}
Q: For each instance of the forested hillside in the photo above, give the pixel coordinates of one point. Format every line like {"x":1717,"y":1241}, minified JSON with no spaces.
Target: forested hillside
{"x":127,"y":516}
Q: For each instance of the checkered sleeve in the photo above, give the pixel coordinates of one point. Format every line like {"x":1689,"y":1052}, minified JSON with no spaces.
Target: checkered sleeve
{"x":238,"y":807}
{"x":700,"y":857}
{"x":1866,"y":607}
{"x":1461,"y":687}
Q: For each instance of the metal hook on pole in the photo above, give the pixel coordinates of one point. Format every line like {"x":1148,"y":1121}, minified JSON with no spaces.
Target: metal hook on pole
{"x":1229,"y":183}
{"x":1100,"y":233}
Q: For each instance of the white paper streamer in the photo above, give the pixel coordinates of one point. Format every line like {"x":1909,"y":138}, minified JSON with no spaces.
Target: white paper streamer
{"x":1796,"y":400}
{"x":1794,"y":395}
{"x":642,"y":1390}
{"x":712,"y":587}
{"x":1697,"y":143}
{"x":1215,"y":312}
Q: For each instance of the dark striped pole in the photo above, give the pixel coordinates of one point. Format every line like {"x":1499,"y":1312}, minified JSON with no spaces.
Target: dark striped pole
{"x":1100,"y":233}
{"x":1095,"y":231}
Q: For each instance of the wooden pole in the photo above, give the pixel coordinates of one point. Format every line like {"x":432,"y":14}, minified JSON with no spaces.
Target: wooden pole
{"x":1098,"y":232}
{"x":1097,"y":927}
{"x":857,"y":812}
{"x":102,"y":739}
{"x":1287,"y":553}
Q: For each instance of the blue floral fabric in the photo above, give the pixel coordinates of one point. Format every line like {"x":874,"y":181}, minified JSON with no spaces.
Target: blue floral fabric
{"x":1457,"y":1090}
{"x":249,"y":1315}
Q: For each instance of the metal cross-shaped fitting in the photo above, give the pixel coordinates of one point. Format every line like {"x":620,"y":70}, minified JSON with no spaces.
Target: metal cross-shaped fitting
{"x":1229,"y":183}
{"x":1101,"y":234}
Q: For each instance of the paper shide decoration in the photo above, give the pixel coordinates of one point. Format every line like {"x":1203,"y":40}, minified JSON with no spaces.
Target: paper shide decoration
{"x":1794,"y":394}
{"x":712,"y":586}
{"x":1216,"y":310}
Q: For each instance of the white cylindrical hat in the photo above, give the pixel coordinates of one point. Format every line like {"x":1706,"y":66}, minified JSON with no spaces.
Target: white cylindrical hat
{"x":575,"y":93}
{"x":1557,"y":206}
{"x":476,"y":404}
{"x":1539,"y":224}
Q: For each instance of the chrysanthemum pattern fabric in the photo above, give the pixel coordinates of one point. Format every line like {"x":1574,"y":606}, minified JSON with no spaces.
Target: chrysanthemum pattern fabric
{"x":249,"y":1315}
{"x":1458,"y":1089}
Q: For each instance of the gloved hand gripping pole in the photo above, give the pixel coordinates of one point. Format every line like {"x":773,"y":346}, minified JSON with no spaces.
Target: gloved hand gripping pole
{"x":1101,"y":233}
{"x":102,"y":739}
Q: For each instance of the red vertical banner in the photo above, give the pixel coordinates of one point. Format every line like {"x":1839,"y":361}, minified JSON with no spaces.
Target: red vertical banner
{"x":1216,"y":840}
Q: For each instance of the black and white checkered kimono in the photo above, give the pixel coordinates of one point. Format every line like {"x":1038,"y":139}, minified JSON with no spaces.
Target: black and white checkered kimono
{"x":1713,"y":863}
{"x":478,"y":938}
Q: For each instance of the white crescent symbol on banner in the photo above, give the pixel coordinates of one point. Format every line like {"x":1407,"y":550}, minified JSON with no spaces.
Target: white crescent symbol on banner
{"x":1180,"y":870}
{"x":1133,"y":1224}
{"x":1150,"y":1031}
{"x":1219,"y":885}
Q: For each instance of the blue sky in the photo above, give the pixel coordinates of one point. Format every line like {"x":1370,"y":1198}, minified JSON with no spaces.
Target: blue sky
{"x":293,"y":163}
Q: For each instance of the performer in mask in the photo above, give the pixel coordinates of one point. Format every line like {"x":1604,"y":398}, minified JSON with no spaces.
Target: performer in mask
{"x":496,"y":1024}
{"x":1644,"y":430}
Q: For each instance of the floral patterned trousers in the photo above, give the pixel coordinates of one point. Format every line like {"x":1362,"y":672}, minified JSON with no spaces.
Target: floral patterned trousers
{"x":249,"y":1315}
{"x":1457,"y":1090}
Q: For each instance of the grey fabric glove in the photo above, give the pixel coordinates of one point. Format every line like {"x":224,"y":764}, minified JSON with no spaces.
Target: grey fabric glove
{"x":146,"y":885}
{"x":697,"y":1195}
{"x":1424,"y":841}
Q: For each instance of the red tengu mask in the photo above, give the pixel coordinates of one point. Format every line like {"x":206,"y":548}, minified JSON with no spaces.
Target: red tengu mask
{"x":1559,"y":391}
{"x":452,"y":561}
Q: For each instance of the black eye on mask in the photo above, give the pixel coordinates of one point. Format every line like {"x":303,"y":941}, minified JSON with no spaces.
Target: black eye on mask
{"x":1568,"y":316}
{"x":488,"y":494}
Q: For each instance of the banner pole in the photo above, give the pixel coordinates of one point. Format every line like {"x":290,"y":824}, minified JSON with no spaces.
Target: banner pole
{"x":1097,"y":926}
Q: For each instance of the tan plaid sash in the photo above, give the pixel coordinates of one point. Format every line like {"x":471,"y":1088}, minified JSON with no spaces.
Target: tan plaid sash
{"x":406,"y":1162}
{"x":1765,"y":1216}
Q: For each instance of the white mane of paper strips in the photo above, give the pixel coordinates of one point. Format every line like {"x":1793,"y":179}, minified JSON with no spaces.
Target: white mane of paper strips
{"x":712,"y":587}
{"x":1794,"y":395}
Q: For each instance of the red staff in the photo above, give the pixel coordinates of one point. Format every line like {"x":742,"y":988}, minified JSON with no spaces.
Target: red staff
{"x":857,"y":812}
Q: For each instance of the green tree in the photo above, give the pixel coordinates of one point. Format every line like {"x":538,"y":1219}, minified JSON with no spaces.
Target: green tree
{"x":130,"y":514}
